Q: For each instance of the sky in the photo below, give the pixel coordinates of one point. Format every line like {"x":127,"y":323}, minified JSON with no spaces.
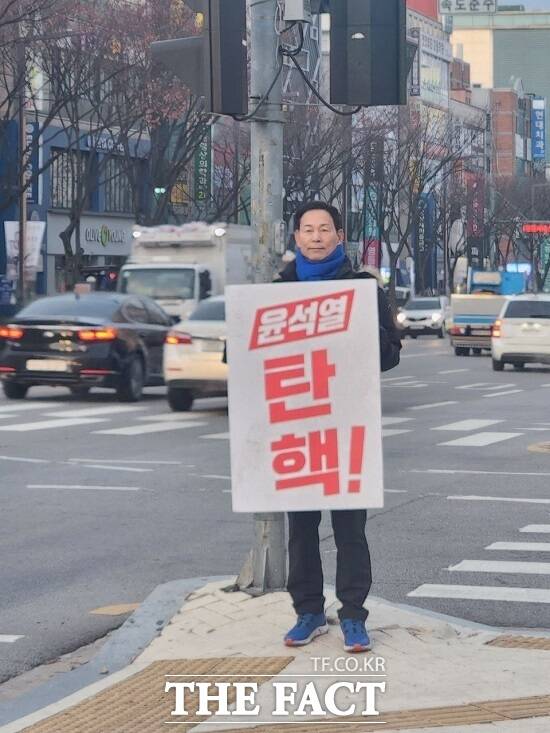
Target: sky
{"x":530,"y":4}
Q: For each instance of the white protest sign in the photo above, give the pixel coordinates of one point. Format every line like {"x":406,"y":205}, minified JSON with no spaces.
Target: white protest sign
{"x":304,"y":396}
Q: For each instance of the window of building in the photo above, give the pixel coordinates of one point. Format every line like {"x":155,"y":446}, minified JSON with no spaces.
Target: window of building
{"x":118,"y":191}
{"x":66,"y":177}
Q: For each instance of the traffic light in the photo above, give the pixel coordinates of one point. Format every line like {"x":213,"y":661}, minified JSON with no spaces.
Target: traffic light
{"x":214,"y":64}
{"x":368,"y":52}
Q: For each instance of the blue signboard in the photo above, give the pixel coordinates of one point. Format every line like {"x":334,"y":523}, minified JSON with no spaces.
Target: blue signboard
{"x":33,"y":161}
{"x":538,"y":128}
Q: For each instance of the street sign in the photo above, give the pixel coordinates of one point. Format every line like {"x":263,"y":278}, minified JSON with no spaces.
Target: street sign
{"x":304,"y":396}
{"x":458,"y":7}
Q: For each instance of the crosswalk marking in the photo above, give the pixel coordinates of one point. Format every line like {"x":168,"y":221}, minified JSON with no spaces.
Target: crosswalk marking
{"x":82,"y":487}
{"x":96,"y":411}
{"x":390,"y":433}
{"x":479,"y":440}
{"x":146,"y":428}
{"x":395,"y":420}
{"x":468,"y":425}
{"x":9,"y":638}
{"x":433,"y":404}
{"x":49,"y":424}
{"x":216,"y":436}
{"x":497,"y":566}
{"x":536,"y":528}
{"x":499,"y":498}
{"x":502,"y":394}
{"x":482,"y":593}
{"x":520,"y":546}
{"x":25,"y":406}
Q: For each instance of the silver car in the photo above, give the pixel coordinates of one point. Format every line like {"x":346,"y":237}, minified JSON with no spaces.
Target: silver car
{"x":423,"y":316}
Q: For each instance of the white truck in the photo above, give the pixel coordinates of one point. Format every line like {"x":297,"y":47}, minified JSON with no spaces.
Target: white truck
{"x":178,"y":266}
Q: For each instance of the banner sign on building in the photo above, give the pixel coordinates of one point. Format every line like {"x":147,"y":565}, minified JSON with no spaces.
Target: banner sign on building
{"x":424,"y":245}
{"x":414,"y":77}
{"x":538,"y":129}
{"x":34,"y":231}
{"x":33,"y":162}
{"x":544,"y":262}
{"x":452,"y":7}
{"x":304,"y":396}
{"x":203,"y":170}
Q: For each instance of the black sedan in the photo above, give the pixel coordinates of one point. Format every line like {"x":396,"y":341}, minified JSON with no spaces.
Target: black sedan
{"x":83,"y":341}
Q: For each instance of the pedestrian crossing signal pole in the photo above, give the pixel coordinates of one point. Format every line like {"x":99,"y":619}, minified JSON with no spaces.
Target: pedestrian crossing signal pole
{"x":265,"y":568}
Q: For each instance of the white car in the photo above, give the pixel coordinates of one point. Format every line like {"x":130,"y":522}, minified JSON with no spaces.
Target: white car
{"x":193,"y":355}
{"x":423,"y":315}
{"x":521,"y":335}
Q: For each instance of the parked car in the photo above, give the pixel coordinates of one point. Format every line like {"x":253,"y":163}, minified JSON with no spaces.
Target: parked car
{"x":83,"y":341}
{"x":521,"y":334}
{"x":193,"y":355}
{"x":423,"y":315}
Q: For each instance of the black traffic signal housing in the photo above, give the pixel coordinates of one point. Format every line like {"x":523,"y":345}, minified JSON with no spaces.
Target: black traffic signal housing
{"x":214,"y":64}
{"x":368,"y":52}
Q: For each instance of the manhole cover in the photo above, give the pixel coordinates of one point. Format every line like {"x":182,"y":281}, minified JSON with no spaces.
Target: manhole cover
{"x":540,"y":448}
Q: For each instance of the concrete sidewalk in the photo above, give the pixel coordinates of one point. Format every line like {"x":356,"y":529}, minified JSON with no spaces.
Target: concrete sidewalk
{"x":439,"y":674}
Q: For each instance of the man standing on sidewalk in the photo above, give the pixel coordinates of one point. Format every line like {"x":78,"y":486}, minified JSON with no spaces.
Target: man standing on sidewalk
{"x":321,"y":256}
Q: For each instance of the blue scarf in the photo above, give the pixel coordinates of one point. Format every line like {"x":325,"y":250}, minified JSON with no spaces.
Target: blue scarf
{"x":324,"y":269}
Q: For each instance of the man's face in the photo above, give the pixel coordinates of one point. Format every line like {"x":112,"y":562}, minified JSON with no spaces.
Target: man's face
{"x":317,"y":237}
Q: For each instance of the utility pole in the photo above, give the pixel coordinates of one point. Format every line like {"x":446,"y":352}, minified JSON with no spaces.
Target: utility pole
{"x":267,"y":562}
{"x":22,"y":74}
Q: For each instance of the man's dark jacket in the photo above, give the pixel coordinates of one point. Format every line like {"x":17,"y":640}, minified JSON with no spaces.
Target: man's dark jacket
{"x":390,"y":342}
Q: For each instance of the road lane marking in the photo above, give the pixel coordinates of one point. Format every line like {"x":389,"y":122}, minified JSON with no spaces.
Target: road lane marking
{"x":216,"y":436}
{"x":396,"y":491}
{"x":27,"y":427}
{"x":174,"y":416}
{"x":129,"y":460}
{"x":453,"y":371}
{"x":79,"y":487}
{"x":480,"y":440}
{"x":395,"y":420}
{"x":500,"y":386}
{"x":23,"y":407}
{"x":499,"y":498}
{"x":23,"y":460}
{"x":424,"y":354}
{"x":95,"y":411}
{"x":111,"y":468}
{"x":156,"y":427}
{"x":211,"y":476}
{"x":520,"y":546}
{"x":475,"y":385}
{"x":9,"y":638}
{"x":482,"y":593}
{"x":433,"y":404}
{"x":498,"y":566}
{"x":396,"y":379}
{"x":502,"y":394}
{"x":390,"y":433}
{"x":537,"y":528}
{"x":476,"y":473}
{"x":468,"y":425}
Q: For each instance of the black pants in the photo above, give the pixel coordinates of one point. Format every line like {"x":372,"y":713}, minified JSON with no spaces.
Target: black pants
{"x":353,"y":568}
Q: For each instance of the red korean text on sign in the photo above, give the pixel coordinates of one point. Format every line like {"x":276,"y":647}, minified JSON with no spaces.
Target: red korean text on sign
{"x":302,"y":319}
{"x":312,"y":459}
{"x":286,"y":378}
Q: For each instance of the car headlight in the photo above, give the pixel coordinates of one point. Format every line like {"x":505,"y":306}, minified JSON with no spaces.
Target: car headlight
{"x":401,"y":318}
{"x":437,"y":317}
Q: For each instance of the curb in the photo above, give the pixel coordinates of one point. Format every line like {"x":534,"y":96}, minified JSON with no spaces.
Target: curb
{"x":125,"y":644}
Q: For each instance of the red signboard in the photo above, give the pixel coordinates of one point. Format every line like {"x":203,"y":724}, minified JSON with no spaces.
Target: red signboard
{"x":536,"y":227}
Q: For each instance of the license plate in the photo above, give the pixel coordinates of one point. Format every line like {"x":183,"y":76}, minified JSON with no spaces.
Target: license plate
{"x":416,"y":326}
{"x":47,"y":365}
{"x":481,"y":333}
{"x":212,"y":346}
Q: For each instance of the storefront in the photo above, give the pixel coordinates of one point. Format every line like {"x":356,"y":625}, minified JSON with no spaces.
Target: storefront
{"x":105,"y":240}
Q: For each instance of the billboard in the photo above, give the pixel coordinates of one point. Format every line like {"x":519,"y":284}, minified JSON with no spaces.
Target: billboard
{"x":538,"y":128}
{"x":452,"y":7}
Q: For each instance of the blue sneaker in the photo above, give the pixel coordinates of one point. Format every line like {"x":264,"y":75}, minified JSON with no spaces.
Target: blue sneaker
{"x":356,"y":638}
{"x":308,"y":626}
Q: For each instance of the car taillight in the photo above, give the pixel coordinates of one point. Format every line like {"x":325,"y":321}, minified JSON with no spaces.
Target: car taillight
{"x":11,"y":332}
{"x":495,"y":331}
{"x":456,"y":331}
{"x":175,"y":338}
{"x":98,"y":334}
